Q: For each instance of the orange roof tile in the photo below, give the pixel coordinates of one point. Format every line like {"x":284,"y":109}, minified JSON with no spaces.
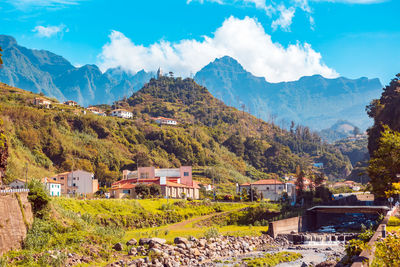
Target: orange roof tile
{"x":267,"y":181}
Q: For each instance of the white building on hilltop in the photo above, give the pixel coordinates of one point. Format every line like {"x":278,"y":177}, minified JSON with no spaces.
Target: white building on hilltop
{"x":122,"y":113}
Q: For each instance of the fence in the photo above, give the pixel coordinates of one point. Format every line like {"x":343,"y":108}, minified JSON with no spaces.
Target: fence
{"x":8,"y":191}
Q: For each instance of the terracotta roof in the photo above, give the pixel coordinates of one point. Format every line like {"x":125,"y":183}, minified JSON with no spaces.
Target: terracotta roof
{"x":196,"y":184}
{"x":245,"y":184}
{"x":267,"y":181}
{"x":120,"y":109}
{"x":163,"y":118}
{"x":50,"y":181}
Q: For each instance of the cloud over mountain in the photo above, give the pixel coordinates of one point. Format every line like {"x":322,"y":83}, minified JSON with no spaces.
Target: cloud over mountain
{"x":243,"y":39}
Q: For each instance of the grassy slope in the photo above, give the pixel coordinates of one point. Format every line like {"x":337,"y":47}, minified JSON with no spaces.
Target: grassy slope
{"x":73,"y":228}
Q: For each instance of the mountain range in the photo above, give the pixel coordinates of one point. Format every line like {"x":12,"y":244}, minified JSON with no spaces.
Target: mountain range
{"x":314,"y":101}
{"x":41,"y":71}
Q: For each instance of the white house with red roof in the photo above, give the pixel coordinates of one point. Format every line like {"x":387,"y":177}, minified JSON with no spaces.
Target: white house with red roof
{"x":174,"y":183}
{"x":271,"y":189}
{"x":122,"y":113}
{"x":163,"y":120}
{"x":54,"y":187}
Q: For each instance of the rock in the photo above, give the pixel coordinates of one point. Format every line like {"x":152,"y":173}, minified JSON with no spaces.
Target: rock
{"x":155,"y":250}
{"x":158,"y":240}
{"x":144,"y":241}
{"x":202,"y":242}
{"x":181,"y":245}
{"x":118,"y":247}
{"x":132,"y":252}
{"x":181,"y":240}
{"x":196,"y":252}
{"x":131,"y":242}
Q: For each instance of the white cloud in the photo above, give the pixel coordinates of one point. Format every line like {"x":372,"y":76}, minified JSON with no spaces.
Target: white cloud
{"x":244,"y":40}
{"x":353,"y":1}
{"x":49,"y":31}
{"x":285,"y":19}
{"x":24,"y":4}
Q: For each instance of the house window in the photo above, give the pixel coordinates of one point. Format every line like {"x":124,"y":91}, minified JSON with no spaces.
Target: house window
{"x":126,"y":191}
{"x":144,"y":175}
{"x":186,"y":174}
{"x":62,"y":178}
{"x":73,"y":184}
{"x":267,"y":188}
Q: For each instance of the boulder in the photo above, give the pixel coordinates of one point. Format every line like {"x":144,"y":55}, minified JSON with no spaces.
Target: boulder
{"x":144,"y":241}
{"x":118,"y":247}
{"x":181,"y":240}
{"x":131,"y":242}
{"x":132,"y":252}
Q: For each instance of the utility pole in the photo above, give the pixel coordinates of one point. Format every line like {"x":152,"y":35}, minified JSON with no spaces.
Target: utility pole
{"x":251,"y":193}
{"x":26,"y":175}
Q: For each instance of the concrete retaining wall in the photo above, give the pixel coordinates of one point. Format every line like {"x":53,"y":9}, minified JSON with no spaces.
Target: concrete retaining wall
{"x":15,"y":218}
{"x":287,"y":226}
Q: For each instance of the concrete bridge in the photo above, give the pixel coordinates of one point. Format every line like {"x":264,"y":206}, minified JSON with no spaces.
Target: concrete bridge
{"x":349,"y":209}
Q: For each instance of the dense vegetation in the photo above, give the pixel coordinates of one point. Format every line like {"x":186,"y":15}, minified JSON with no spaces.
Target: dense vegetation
{"x":263,"y":146}
{"x":221,"y":142}
{"x":384,"y":137}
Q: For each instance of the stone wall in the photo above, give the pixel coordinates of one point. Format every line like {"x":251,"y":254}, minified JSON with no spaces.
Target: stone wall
{"x":15,"y":218}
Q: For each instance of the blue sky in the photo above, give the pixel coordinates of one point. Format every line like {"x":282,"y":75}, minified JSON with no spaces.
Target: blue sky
{"x":280,"y":41}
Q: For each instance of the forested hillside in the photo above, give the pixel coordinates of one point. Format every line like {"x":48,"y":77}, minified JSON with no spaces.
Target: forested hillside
{"x":220,"y":142}
{"x":384,"y":138}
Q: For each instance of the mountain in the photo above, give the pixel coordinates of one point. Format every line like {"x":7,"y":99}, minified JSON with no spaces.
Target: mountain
{"x":314,"y":101}
{"x":222,"y":144}
{"x":42,"y":71}
{"x":340,"y":130}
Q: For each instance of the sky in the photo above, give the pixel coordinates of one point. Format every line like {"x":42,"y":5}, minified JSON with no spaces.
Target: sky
{"x":280,"y":40}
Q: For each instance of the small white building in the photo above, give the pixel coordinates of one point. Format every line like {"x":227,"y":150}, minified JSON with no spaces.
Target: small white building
{"x":17,"y":184}
{"x":40,"y":101}
{"x":270,"y":188}
{"x":122,"y":113}
{"x":163,"y":120}
{"x":82,"y":182}
{"x":53,"y":187}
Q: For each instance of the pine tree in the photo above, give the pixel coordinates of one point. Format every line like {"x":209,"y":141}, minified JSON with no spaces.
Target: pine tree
{"x":300,"y":185}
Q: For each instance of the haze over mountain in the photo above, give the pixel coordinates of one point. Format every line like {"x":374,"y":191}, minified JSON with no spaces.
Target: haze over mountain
{"x":313,"y":101}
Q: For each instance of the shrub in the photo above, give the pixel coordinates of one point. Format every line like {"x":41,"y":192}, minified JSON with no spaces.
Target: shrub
{"x":393,"y":221}
{"x":39,"y":198}
{"x":388,"y":251}
{"x":354,"y":247}
{"x":211,"y":233}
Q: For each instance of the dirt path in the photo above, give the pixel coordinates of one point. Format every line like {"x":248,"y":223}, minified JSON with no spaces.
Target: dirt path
{"x":182,"y":224}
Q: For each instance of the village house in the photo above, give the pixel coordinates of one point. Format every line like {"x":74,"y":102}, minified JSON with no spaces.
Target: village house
{"x":17,"y":184}
{"x":96,"y":110}
{"x":166,"y":121}
{"x":52,"y":186}
{"x":77,"y":182}
{"x":122,"y":113}
{"x":70,"y":103}
{"x":40,"y":101}
{"x":270,"y":189}
{"x":174,"y":183}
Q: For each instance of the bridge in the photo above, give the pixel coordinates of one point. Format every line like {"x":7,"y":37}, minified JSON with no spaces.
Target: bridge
{"x":349,"y":209}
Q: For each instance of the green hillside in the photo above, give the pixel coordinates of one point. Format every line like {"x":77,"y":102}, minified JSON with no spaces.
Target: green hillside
{"x":221,"y":142}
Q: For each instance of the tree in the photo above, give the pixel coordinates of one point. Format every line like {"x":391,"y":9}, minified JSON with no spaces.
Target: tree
{"x":3,"y":153}
{"x":155,"y":190}
{"x":385,"y":165}
{"x":300,"y":185}
{"x":39,"y":198}
{"x":142,"y":190}
{"x":319,"y":179}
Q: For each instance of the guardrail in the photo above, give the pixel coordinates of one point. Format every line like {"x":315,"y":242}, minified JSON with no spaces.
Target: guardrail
{"x":8,"y":191}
